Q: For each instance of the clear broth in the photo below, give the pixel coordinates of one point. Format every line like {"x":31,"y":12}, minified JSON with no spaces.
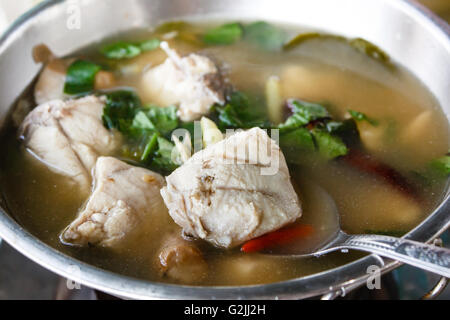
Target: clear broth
{"x":320,"y":70}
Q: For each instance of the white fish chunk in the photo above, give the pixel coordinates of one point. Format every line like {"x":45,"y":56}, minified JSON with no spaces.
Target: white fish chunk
{"x":68,"y":137}
{"x":192,"y":83}
{"x":123,"y":198}
{"x":225,"y":197}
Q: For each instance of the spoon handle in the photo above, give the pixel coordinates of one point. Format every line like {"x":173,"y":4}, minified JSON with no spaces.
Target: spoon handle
{"x":420,"y":255}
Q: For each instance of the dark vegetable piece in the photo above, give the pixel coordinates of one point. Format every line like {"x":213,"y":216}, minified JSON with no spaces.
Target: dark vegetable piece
{"x":162,"y":161}
{"x":303,"y":113}
{"x":358,"y":44}
{"x":366,"y":163}
{"x":238,"y":113}
{"x":265,"y":35}
{"x":128,"y":50}
{"x":306,"y":130}
{"x":358,"y":116}
{"x":329,"y":146}
{"x":163,"y":120}
{"x":301,"y":38}
{"x":143,"y":128}
{"x":370,"y":49}
{"x":80,"y":77}
{"x":224,"y":35}
{"x":150,"y":147}
{"x":296,"y":142}
{"x":278,"y":238}
{"x":346,"y":130}
{"x":120,"y":109}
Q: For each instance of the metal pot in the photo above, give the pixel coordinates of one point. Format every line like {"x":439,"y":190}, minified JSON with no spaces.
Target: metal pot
{"x":409,"y":33}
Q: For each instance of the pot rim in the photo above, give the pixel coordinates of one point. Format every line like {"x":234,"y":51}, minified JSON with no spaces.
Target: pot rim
{"x":331,"y":280}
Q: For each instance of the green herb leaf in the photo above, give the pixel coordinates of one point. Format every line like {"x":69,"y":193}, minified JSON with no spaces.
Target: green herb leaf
{"x":295,"y":144}
{"x":358,"y":116}
{"x":435,"y":171}
{"x":303,"y":113}
{"x":120,"y":109}
{"x":165,"y":120}
{"x":265,"y":35}
{"x":239,"y":114}
{"x":440,"y":167}
{"x":121,"y":50}
{"x":143,"y":129}
{"x":346,"y":130}
{"x":150,"y":147}
{"x":149,"y":45}
{"x":370,"y":50}
{"x":80,"y":77}
{"x":329,"y":146}
{"x":141,"y":121}
{"x":162,"y":161}
{"x":153,"y":118}
{"x":224,"y":35}
{"x":127,"y":50}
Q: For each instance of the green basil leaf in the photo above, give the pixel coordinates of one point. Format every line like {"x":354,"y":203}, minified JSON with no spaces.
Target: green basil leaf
{"x":150,"y":147}
{"x":165,"y":120}
{"x":121,"y":50}
{"x":239,"y":113}
{"x":149,"y":45}
{"x":295,"y":144}
{"x":303,"y":113}
{"x":80,"y":77}
{"x":128,"y":50}
{"x":162,"y":161}
{"x":120,"y":109}
{"x":224,"y":35}
{"x":347,"y":130}
{"x":329,"y":146}
{"x":440,"y":167}
{"x":141,"y":121}
{"x":265,"y":35}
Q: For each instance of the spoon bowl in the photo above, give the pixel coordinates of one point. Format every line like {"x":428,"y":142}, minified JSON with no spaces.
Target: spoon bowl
{"x":333,"y":238}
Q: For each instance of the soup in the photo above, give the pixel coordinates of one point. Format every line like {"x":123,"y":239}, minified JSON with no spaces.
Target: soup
{"x":92,"y":167}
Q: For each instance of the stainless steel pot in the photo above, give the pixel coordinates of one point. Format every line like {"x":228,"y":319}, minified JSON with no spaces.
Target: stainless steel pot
{"x":409,"y":33}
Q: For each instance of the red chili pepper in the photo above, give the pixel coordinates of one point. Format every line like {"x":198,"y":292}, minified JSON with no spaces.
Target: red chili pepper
{"x":277,"y":238}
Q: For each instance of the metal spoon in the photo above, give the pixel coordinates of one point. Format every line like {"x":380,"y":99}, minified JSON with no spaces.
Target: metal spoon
{"x":420,"y":255}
